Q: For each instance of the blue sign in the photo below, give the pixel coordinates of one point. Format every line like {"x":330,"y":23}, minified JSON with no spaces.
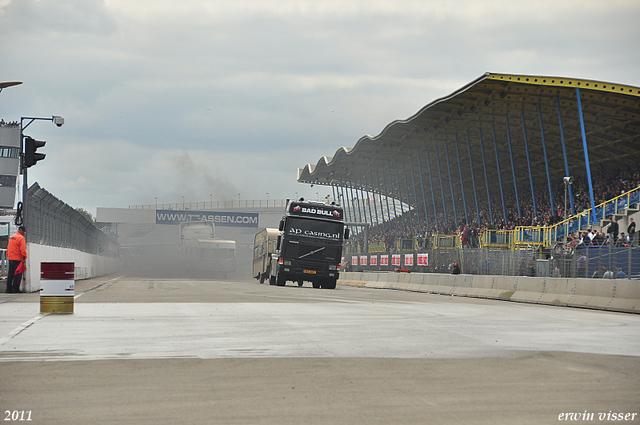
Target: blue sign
{"x":233,"y":219}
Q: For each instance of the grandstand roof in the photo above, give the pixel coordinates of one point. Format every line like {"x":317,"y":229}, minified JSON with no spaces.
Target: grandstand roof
{"x":477,"y":116}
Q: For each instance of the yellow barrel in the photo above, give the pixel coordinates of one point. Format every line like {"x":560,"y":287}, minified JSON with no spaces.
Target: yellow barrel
{"x":56,"y":304}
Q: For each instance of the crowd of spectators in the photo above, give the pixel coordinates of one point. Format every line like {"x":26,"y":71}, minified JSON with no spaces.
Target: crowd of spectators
{"x":607,"y":184}
{"x":9,"y":124}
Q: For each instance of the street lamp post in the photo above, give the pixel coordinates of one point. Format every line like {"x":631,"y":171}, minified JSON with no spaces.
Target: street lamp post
{"x":267,"y":199}
{"x":57,"y":120}
{"x":567,"y":181}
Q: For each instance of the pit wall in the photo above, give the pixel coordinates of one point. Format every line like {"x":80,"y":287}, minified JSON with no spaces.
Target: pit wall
{"x":86,"y":265}
{"x":621,"y":295}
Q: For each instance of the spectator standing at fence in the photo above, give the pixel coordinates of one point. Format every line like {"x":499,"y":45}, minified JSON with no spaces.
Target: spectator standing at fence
{"x":620,"y":274}
{"x":16,"y":253}
{"x":608,"y":274}
{"x":598,"y":273}
{"x":582,"y":265}
{"x":455,"y":269}
{"x":613,"y":230}
{"x":631,"y":231}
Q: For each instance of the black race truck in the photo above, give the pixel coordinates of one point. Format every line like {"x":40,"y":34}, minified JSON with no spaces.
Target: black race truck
{"x":309,"y":245}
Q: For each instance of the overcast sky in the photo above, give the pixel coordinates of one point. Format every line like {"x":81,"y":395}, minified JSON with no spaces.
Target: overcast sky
{"x":171,"y":98}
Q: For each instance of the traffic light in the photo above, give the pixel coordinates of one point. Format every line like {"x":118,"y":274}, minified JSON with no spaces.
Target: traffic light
{"x":30,"y":155}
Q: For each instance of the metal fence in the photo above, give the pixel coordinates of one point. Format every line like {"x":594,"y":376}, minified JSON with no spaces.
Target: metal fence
{"x":215,"y":205}
{"x":480,"y":261}
{"x":595,"y":261}
{"x":51,"y":222}
{"x":622,"y":262}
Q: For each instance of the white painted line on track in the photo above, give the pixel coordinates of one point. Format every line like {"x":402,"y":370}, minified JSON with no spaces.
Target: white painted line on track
{"x":22,"y":327}
{"x":33,"y":320}
{"x":98,"y":286}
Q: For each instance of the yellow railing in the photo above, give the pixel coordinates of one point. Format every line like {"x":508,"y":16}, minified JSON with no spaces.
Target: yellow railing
{"x":406,"y":245}
{"x":527,"y":236}
{"x":446,"y":241}
{"x":584,"y":219}
{"x":501,"y":239}
{"x":377,"y":247}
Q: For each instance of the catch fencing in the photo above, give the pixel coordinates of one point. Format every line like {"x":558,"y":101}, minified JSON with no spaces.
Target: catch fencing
{"x":622,"y":262}
{"x":51,"y":222}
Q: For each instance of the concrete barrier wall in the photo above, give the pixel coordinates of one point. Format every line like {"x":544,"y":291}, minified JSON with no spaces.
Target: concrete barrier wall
{"x":604,"y":294}
{"x":86,"y":265}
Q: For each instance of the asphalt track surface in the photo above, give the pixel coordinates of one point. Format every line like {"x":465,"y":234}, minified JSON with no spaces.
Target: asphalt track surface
{"x":165,"y":351}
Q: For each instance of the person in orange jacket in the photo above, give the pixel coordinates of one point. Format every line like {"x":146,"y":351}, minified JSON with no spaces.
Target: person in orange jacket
{"x":16,"y":252}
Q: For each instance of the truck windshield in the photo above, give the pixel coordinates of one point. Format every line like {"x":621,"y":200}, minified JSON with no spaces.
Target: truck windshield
{"x":317,"y":229}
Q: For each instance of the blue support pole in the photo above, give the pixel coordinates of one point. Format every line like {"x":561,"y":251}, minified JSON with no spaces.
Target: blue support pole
{"x":364,"y":205}
{"x":384,"y":184}
{"x":433,"y":196}
{"x":354,"y":199}
{"x":513,"y":168}
{"x":495,"y":147}
{"x":404,"y":226}
{"x":473,"y":179}
{"x":373,"y":191}
{"x":526,"y":149}
{"x":361,"y":203}
{"x":564,"y":152}
{"x":345,"y":201}
{"x":384,"y":225}
{"x":415,"y":193}
{"x":486,"y":179}
{"x":406,"y":186}
{"x":444,"y":206}
{"x":464,"y":200}
{"x":586,"y":158}
{"x":362,"y":213}
{"x":424,"y":195}
{"x":393,"y":197}
{"x":546,"y":161}
{"x":453,"y":196}
{"x":368,"y":203}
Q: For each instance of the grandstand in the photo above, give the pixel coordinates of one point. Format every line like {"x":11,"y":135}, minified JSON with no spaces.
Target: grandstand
{"x":493,"y":157}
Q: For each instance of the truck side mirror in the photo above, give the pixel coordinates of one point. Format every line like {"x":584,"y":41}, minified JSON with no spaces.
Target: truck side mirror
{"x":346,"y":233}
{"x":279,"y":240}
{"x":281,"y":226}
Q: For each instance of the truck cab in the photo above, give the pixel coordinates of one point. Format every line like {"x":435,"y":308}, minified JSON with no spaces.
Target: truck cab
{"x":309,"y":245}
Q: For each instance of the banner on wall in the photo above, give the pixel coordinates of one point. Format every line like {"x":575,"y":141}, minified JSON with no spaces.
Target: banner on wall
{"x":423,"y":259}
{"x":233,"y":219}
{"x":384,"y":259}
{"x":395,"y":259}
{"x":408,"y":260}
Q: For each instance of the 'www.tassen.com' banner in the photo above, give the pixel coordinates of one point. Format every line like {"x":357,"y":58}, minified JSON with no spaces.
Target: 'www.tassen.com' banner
{"x":236,"y":219}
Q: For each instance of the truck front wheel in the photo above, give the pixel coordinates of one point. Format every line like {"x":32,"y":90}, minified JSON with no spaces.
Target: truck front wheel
{"x":329,"y":284}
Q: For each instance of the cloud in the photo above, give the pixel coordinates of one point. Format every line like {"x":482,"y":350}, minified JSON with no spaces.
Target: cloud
{"x":164,"y":98}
